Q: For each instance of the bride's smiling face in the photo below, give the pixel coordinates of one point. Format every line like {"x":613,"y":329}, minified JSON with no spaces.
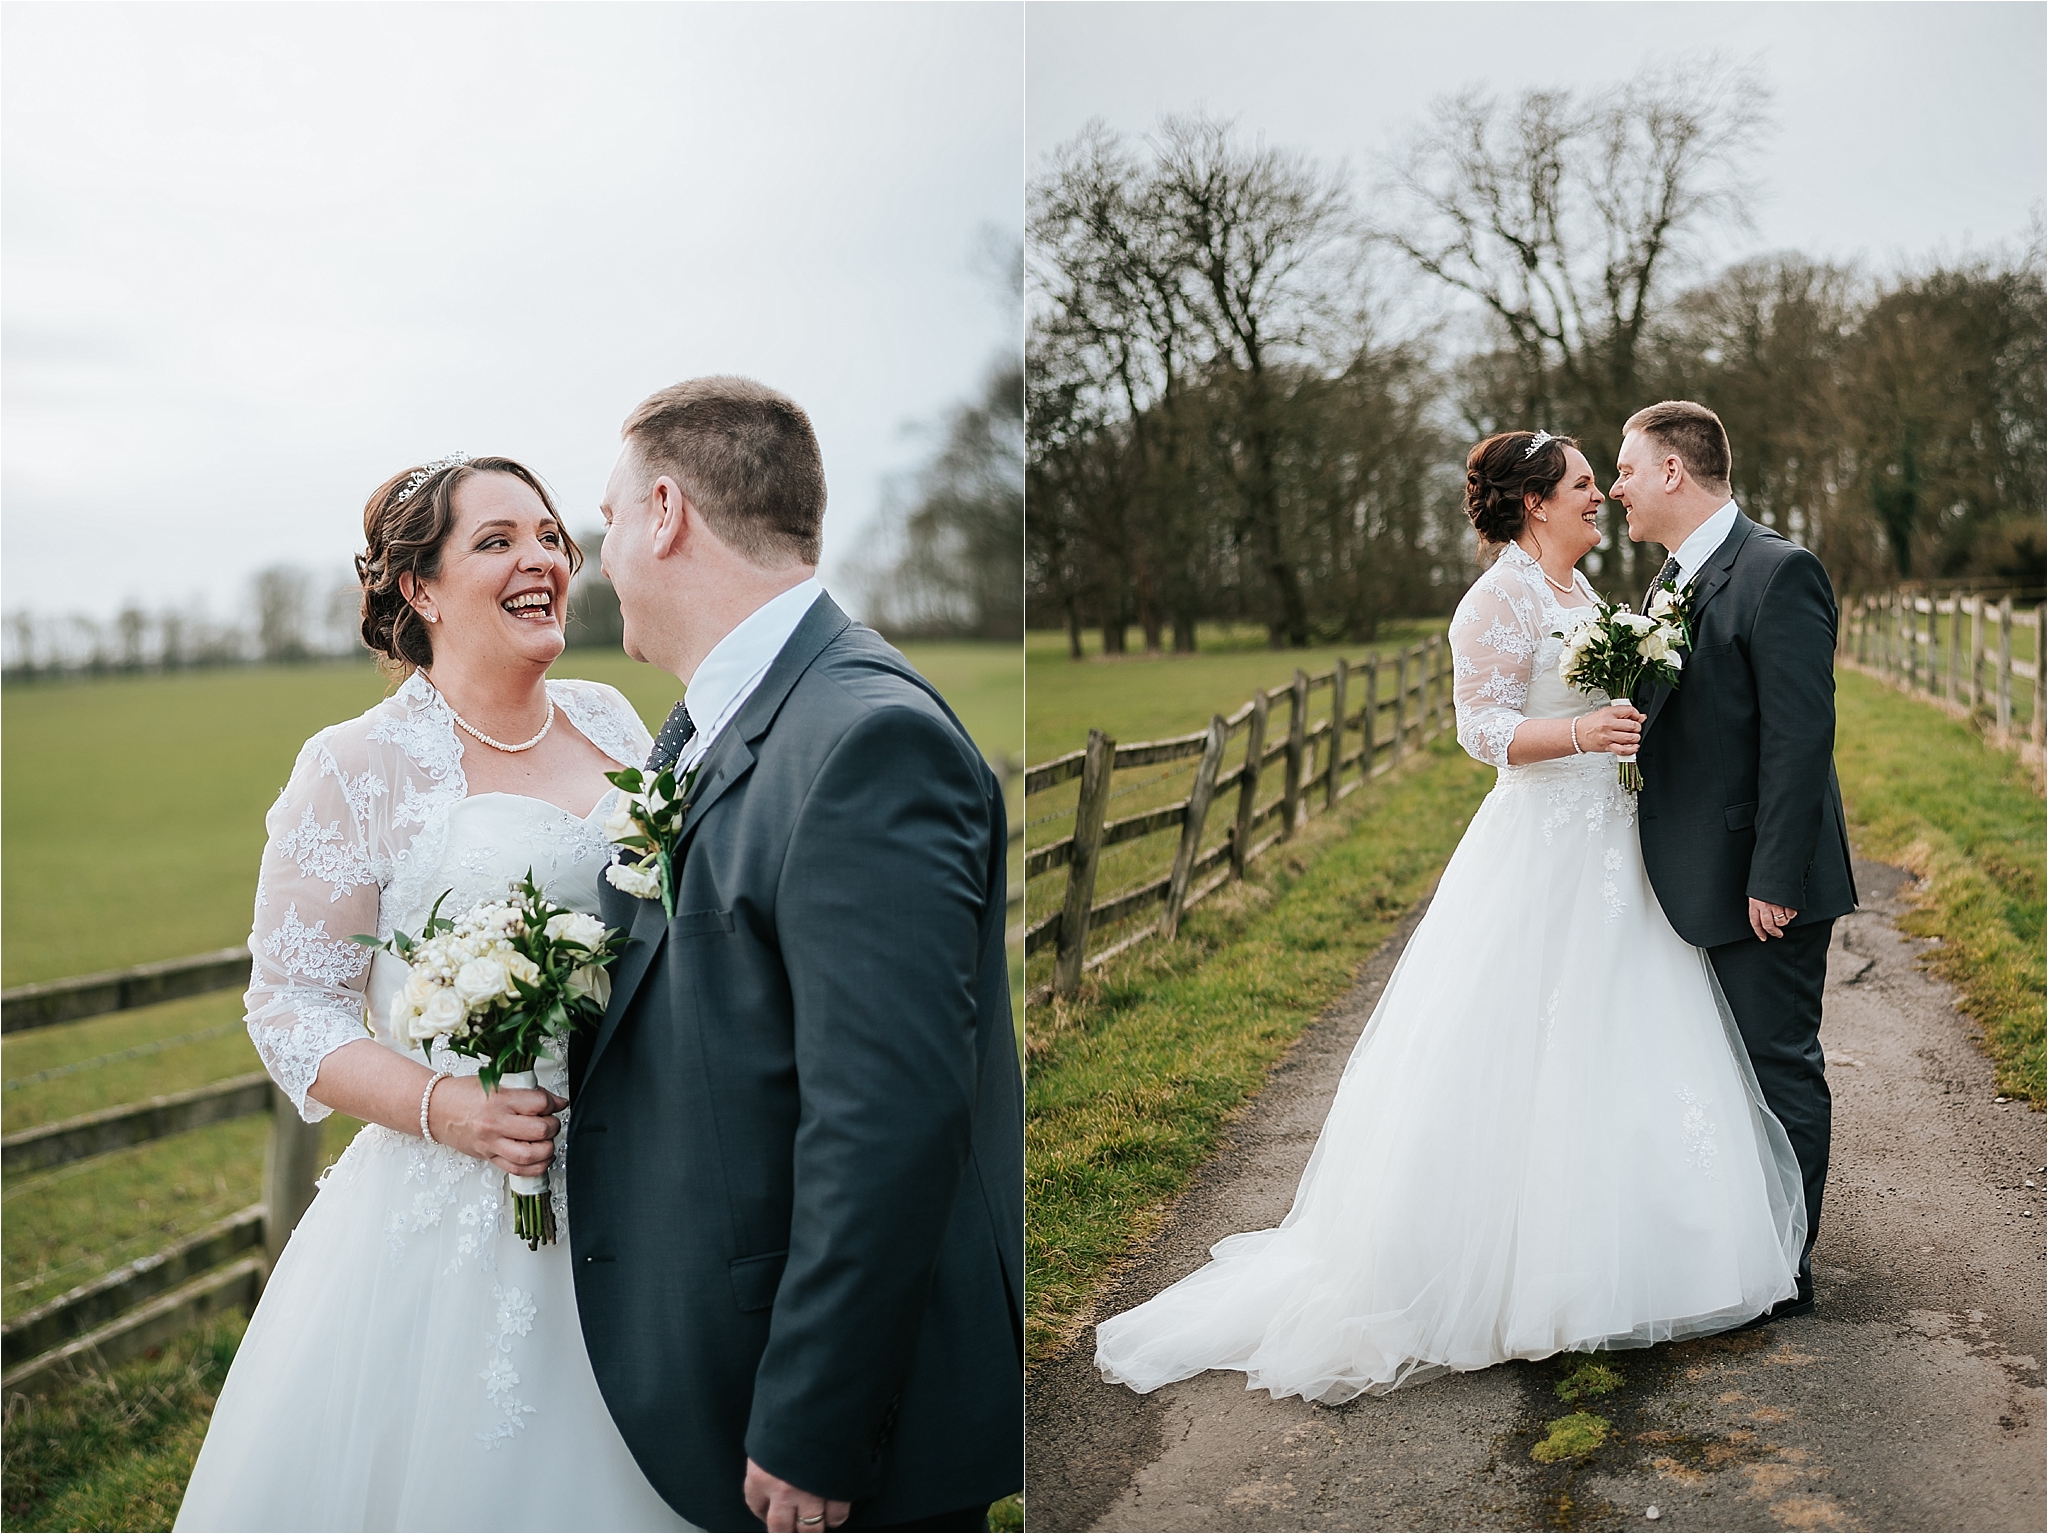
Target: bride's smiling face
{"x":1569,"y":517}
{"x":504,"y":577}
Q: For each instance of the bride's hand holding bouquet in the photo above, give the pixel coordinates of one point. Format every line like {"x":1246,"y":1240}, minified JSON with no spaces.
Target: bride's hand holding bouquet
{"x":506,"y":983}
{"x":1610,"y":652}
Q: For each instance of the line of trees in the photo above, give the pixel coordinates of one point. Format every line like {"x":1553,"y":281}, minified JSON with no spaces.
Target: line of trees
{"x":1252,"y":387}
{"x":292,"y":616}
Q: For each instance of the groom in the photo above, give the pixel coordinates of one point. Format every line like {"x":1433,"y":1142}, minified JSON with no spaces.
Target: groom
{"x":1742,"y":827}
{"x":796,"y":1155}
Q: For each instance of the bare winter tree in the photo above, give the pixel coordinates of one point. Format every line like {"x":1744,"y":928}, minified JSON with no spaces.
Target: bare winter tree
{"x":1568,"y":221}
{"x":1263,"y":238}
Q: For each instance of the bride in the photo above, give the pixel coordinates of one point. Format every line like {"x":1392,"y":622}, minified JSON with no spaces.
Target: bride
{"x":412,"y":1365}
{"x":1549,"y":1136}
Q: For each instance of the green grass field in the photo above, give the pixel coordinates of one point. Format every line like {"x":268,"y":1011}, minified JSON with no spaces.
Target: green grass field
{"x":177,"y":772}
{"x":1146,"y":697}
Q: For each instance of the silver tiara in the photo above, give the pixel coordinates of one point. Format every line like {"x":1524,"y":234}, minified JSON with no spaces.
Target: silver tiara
{"x":1530,"y":452}
{"x":420,"y":476}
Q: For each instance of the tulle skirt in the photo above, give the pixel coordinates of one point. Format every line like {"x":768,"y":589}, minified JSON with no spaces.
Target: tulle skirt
{"x":412,"y":1365}
{"x":1549,"y":1137}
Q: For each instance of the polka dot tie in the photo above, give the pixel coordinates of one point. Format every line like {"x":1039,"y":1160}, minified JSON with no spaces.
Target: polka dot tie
{"x":1668,"y":573}
{"x":668,"y":745}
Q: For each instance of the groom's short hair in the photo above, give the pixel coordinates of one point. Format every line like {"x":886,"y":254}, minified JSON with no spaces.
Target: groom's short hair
{"x":1691,"y":431}
{"x":746,"y":455}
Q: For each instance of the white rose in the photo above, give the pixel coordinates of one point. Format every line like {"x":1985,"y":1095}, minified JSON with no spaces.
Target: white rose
{"x":1654,"y":646}
{"x":634,"y":881}
{"x":480,"y":980}
{"x":520,"y":967}
{"x":1664,"y":603}
{"x":1635,"y":623}
{"x":620,"y":826}
{"x":589,"y":980}
{"x":419,"y":990}
{"x":444,"y":1014}
{"x":576,"y":927}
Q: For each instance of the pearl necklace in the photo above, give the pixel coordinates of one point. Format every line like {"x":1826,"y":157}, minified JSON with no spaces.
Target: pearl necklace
{"x":499,"y":745}
{"x":1568,"y":590}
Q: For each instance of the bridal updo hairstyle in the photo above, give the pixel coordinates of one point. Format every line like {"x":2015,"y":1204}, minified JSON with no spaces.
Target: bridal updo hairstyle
{"x":409,"y":534}
{"x":1500,"y":471}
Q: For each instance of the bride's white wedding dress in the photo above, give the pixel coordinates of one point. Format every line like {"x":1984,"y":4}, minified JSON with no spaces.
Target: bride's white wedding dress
{"x":1549,"y":1136}
{"x":411,"y":1364}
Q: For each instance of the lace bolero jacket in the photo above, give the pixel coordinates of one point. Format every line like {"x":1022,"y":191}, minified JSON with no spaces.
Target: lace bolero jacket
{"x":1506,"y":616}
{"x":355,"y":838}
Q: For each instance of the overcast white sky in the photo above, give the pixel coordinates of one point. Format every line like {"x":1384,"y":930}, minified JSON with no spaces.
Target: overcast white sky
{"x":259,"y":257}
{"x":1904,"y":129}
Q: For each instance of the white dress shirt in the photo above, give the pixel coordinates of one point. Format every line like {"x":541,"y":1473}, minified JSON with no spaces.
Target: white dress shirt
{"x":727,"y":677}
{"x":1692,"y":553}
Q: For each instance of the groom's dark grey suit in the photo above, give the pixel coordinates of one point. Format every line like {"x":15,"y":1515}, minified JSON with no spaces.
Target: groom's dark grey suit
{"x":1739,"y":800}
{"x":796,"y":1144}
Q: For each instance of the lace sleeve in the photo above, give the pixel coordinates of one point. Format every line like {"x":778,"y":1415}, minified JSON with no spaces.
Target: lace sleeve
{"x":320,"y":883}
{"x":605,"y":719}
{"x":1493,"y":650}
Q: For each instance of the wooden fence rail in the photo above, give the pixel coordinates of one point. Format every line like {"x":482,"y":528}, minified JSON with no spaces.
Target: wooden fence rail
{"x":1388,"y":716}
{"x":1956,"y":649}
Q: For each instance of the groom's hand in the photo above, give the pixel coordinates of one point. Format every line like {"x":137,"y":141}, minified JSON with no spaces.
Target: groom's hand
{"x":787,"y":1510}
{"x":1767,"y":920}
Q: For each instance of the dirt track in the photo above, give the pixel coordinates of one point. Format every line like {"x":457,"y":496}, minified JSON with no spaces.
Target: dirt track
{"x":1911,"y":1400}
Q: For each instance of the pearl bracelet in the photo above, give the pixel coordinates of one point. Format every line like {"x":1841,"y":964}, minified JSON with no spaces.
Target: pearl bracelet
{"x":427,"y":1097}
{"x":1577,"y":749}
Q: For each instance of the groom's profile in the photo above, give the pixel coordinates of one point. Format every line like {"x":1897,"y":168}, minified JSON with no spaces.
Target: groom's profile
{"x":796,"y":1144}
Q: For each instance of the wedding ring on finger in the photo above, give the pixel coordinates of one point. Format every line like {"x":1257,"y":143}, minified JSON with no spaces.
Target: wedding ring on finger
{"x":813,"y":1521}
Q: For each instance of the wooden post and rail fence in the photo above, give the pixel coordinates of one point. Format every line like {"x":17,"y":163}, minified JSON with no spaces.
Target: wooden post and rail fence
{"x":145,"y":1303}
{"x":1956,"y":650}
{"x":1381,"y":710}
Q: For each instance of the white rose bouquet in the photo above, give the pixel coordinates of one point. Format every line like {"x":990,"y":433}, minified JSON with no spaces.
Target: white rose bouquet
{"x":1614,"y":649}
{"x":648,"y":820}
{"x":505,"y":983}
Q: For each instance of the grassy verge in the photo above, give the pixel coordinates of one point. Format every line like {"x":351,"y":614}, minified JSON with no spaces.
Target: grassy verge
{"x":115,"y":1449}
{"x":1131,"y":1087}
{"x":1924,"y":791}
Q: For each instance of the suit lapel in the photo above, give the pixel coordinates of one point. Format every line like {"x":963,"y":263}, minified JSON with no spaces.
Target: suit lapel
{"x":1706,"y":585}
{"x":730,"y":758}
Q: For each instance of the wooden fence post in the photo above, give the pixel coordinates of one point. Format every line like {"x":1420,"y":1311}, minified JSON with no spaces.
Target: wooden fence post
{"x":291,"y":1164}
{"x":2005,"y":663}
{"x":1088,"y":813}
{"x":1337,"y":732}
{"x":2036,"y":728}
{"x":1369,"y":719}
{"x":1191,"y":829}
{"x":1976,"y":657}
{"x":1248,"y":785}
{"x":1954,"y":668}
{"x":1400,"y":704}
{"x":1297,"y":759}
{"x":1439,"y":654}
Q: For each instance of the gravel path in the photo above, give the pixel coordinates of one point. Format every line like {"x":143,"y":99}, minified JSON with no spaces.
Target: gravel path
{"x":1912,"y":1399}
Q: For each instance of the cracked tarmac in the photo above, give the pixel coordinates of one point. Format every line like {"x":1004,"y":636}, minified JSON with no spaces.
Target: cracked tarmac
{"x":1912,"y":1398}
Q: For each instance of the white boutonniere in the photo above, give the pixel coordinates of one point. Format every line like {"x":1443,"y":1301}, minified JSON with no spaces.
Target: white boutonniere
{"x":648,"y":821}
